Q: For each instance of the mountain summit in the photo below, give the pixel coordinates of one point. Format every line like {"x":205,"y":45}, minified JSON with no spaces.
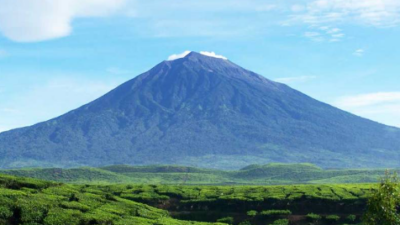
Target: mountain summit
{"x":206,"y":112}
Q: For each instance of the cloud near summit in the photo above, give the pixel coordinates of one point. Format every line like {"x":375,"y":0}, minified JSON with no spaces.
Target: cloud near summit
{"x":185,"y":53}
{"x":39,"y":20}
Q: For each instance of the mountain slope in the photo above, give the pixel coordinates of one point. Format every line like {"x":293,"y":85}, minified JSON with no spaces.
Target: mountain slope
{"x":206,"y":112}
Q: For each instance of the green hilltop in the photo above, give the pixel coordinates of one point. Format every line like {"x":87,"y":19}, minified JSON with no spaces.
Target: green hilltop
{"x":274,"y":173}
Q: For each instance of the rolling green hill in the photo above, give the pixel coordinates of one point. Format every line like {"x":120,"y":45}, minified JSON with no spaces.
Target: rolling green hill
{"x":274,"y":174}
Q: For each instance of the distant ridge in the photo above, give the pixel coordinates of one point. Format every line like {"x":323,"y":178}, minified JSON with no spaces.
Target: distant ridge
{"x":204,"y":112}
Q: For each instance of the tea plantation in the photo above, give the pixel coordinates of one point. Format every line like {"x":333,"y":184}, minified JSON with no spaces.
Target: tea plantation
{"x":34,"y":202}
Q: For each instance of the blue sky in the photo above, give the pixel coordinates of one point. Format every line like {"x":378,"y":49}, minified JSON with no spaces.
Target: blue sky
{"x":57,"y":55}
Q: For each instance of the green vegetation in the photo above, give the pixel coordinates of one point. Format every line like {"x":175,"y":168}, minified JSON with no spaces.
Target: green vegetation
{"x":383,"y":206}
{"x":332,"y":218}
{"x":252,"y":213}
{"x":351,"y":218}
{"x":313,"y":217}
{"x":27,"y":201}
{"x":281,"y":222}
{"x":275,"y":212}
{"x":271,"y":174}
{"x":228,"y":220}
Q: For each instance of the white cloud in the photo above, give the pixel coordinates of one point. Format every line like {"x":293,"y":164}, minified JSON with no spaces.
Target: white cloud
{"x":212,"y":54}
{"x":38,"y":20}
{"x":10,"y":110}
{"x":312,"y":34}
{"x":185,"y":53}
{"x":380,"y":13}
{"x":359,"y":52}
{"x":325,"y":33}
{"x":297,"y":8}
{"x":369,"y":99}
{"x":382,"y":106}
{"x":288,"y":80}
{"x":337,"y":35}
{"x":265,"y":8}
{"x":178,"y":56}
{"x":333,"y":30}
{"x":315,"y":36}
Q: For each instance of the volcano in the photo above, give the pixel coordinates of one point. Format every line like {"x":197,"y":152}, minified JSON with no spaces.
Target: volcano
{"x":206,"y":112}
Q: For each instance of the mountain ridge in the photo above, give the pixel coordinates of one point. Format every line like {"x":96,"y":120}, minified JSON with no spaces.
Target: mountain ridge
{"x":205,"y":112}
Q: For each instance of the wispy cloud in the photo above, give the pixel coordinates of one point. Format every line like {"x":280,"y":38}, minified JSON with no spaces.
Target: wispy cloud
{"x":206,"y":18}
{"x":382,"y":106}
{"x":10,"y":110}
{"x":325,"y":33}
{"x":297,"y":8}
{"x":178,"y":56}
{"x":289,"y":80}
{"x":213,"y":54}
{"x":315,"y":36}
{"x":265,"y":8}
{"x":33,"y":20}
{"x":369,"y":99}
{"x":359,"y":52}
{"x":379,"y":13}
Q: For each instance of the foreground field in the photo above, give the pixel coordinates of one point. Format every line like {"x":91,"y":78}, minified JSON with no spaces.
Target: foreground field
{"x":33,"y":202}
{"x":271,"y":174}
{"x":29,"y":201}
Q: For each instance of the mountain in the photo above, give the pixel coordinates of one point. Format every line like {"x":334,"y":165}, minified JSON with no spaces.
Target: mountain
{"x":205,"y":112}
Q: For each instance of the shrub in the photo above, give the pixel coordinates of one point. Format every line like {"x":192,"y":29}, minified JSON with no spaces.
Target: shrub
{"x":228,"y":220}
{"x":62,"y":216}
{"x":276,"y":212}
{"x":281,"y":222}
{"x":351,"y":218}
{"x":252,"y":213}
{"x":313,"y":217}
{"x":5,"y":212}
{"x":73,"y":198}
{"x":332,"y":218}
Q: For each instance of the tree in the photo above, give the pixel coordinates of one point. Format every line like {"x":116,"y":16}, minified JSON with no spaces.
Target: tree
{"x":383,"y":205}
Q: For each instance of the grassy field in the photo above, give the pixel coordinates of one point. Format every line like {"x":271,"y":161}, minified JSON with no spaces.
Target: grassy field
{"x":30,"y":201}
{"x":271,"y":174}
